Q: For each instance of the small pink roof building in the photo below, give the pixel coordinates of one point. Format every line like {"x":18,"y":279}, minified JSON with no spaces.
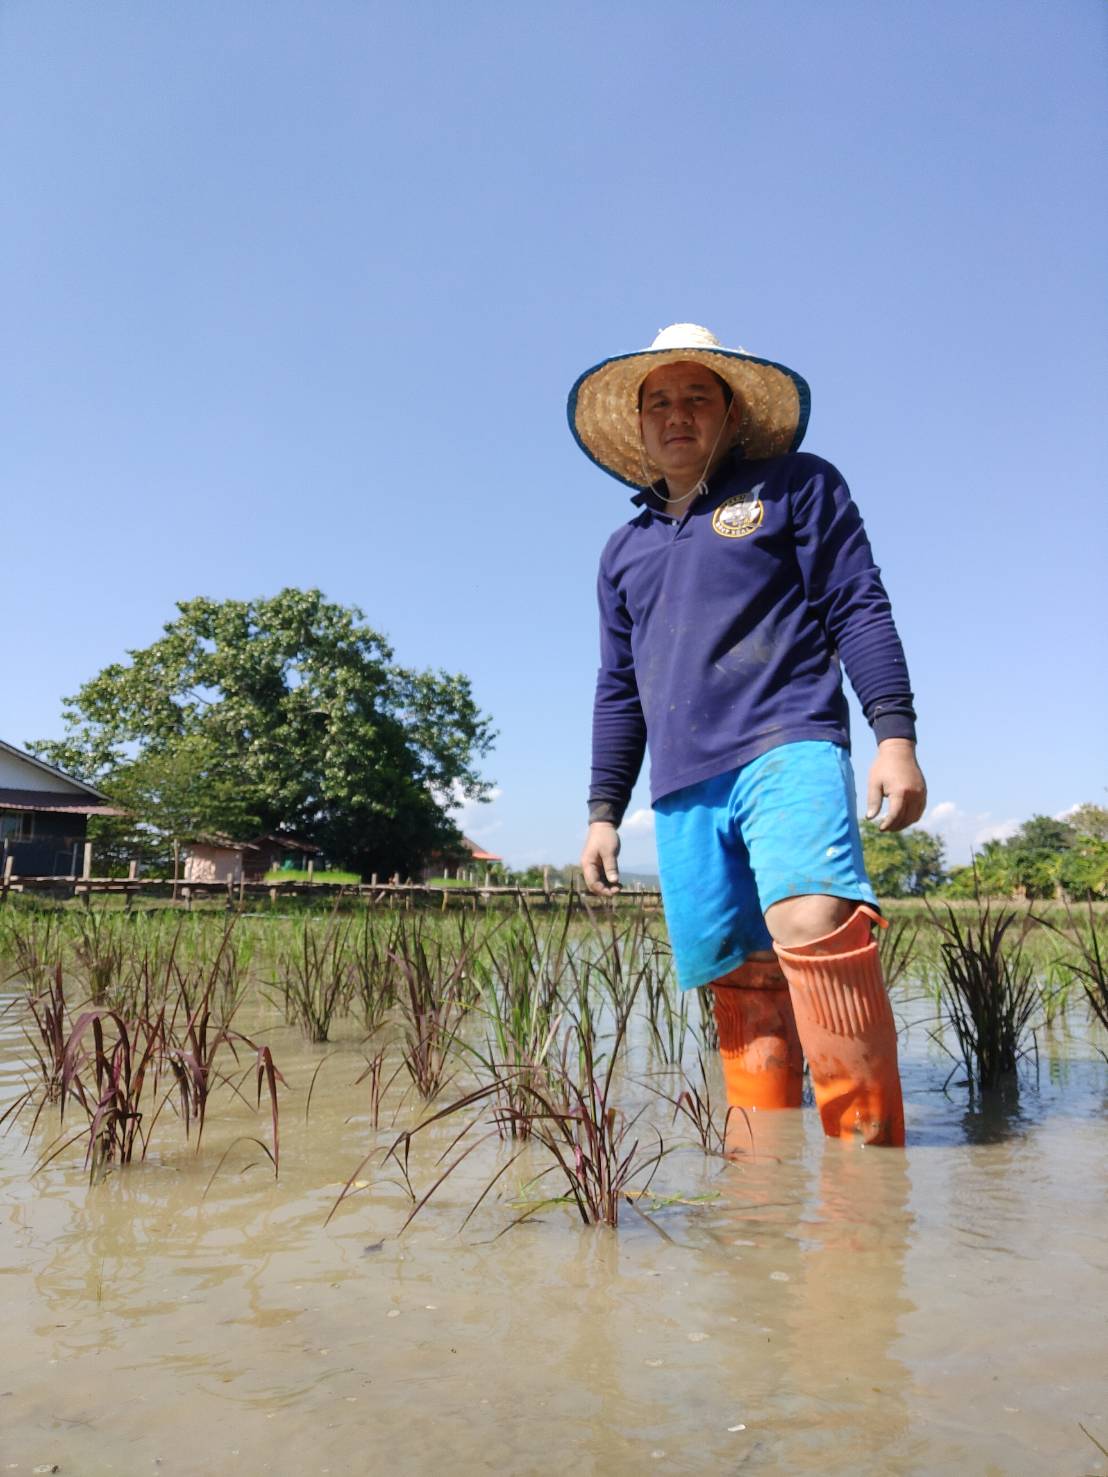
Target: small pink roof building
{"x":460,"y":859}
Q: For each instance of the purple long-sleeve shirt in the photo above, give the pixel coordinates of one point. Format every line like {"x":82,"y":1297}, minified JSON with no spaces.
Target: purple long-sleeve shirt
{"x":722,"y":633}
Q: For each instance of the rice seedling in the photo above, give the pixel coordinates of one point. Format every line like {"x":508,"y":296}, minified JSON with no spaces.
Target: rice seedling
{"x":123,"y":1056}
{"x":694,"y":1105}
{"x":519,"y":999}
{"x":373,"y":971}
{"x":120,"y":1069}
{"x":101,"y":951}
{"x":668,"y":1016}
{"x":592,"y":1140}
{"x":35,"y":944}
{"x":988,"y":993}
{"x":707,"y":1031}
{"x":48,"y":1011}
{"x":897,"y":946}
{"x":314,"y":976}
{"x":1088,"y":960}
{"x":593,"y":1143}
{"x":379,"y":1083}
{"x":432,"y":1007}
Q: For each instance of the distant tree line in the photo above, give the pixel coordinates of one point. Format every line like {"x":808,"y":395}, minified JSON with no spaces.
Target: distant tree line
{"x":1047,"y":857}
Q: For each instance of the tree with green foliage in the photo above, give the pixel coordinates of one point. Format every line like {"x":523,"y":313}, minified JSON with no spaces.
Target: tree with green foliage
{"x":1084,"y":869}
{"x":992,"y":874}
{"x":1089,"y":820}
{"x":1045,"y":855}
{"x":902,"y":863}
{"x":1036,"y":850}
{"x":281,"y":714}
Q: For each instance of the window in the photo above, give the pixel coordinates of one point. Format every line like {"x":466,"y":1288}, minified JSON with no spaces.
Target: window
{"x":16,"y":825}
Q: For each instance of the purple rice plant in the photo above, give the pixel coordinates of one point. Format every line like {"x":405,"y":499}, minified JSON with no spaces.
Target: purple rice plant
{"x":122,"y":1060}
{"x":49,"y":1013}
{"x":592,"y":1142}
{"x":111,"y":1068}
{"x":379,"y":1082}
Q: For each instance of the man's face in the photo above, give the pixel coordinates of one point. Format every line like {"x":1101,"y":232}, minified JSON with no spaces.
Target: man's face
{"x":682,"y":419}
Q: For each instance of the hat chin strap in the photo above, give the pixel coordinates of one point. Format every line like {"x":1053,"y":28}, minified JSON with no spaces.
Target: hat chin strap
{"x":700,"y":487}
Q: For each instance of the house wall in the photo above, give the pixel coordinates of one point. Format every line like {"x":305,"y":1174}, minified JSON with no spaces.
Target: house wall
{"x":49,"y":852}
{"x":20,"y":774}
{"x":212,"y":864}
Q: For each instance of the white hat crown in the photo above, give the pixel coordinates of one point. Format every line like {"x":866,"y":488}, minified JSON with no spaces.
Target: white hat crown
{"x":685,"y":336}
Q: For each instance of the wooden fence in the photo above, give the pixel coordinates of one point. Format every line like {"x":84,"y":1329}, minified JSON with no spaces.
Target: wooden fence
{"x":237,"y":893}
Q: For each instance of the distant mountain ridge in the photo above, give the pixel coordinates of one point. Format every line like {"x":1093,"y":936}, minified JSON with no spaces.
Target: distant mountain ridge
{"x":647,"y":879}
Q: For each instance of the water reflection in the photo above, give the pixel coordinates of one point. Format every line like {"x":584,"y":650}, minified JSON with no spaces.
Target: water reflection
{"x":818,"y":1290}
{"x":995,"y":1116}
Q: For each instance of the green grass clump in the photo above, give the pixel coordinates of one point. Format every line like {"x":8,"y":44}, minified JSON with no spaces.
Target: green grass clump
{"x":348,"y":879}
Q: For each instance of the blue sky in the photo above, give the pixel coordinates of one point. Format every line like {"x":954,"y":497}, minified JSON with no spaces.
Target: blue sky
{"x":293,"y":295}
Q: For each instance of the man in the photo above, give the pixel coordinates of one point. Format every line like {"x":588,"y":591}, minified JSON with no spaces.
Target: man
{"x":726,"y":607}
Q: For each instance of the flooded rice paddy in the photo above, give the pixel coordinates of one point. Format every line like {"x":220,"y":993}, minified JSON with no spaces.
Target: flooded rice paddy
{"x":806,"y":1308}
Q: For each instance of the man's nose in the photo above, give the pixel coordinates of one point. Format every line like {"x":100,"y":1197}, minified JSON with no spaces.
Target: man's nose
{"x":679,"y":413}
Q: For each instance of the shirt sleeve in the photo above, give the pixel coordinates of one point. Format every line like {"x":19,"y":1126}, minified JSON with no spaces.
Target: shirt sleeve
{"x":844,"y":588}
{"x":618,"y":725}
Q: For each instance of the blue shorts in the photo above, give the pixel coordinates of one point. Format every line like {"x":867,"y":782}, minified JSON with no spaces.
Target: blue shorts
{"x":730,"y":847}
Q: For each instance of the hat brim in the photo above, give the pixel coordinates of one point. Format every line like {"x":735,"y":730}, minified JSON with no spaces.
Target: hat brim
{"x":603,"y":407}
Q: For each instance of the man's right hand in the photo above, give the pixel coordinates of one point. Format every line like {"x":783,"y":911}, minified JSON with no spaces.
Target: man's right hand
{"x":600,"y":859}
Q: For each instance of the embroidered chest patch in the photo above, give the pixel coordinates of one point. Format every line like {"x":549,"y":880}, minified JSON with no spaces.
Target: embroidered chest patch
{"x":738,"y":516}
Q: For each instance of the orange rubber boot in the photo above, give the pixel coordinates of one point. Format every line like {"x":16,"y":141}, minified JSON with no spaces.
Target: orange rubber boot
{"x":847,"y":1030}
{"x":758,"y":1044}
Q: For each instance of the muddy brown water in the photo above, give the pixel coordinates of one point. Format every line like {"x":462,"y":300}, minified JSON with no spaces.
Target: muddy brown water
{"x":941,"y":1310}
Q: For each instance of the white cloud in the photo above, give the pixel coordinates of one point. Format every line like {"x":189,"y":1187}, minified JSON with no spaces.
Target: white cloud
{"x":963,"y":832}
{"x":458,"y":802}
{"x":476,"y":818}
{"x":639,"y":823}
{"x":996,"y":831}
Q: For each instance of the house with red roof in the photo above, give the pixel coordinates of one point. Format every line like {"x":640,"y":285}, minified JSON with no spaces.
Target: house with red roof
{"x":467,"y":857}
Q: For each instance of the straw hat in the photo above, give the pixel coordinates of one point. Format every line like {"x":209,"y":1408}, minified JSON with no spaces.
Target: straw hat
{"x":604,"y":403}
